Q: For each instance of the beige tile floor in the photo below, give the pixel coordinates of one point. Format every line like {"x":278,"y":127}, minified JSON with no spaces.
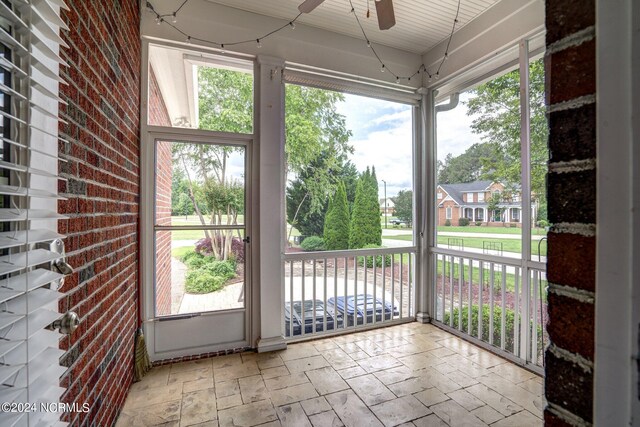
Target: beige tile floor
{"x":409,"y":375}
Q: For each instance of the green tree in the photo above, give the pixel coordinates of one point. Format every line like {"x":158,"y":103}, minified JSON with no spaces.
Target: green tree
{"x":336,"y":223}
{"x":496,"y":107}
{"x":366,"y":228}
{"x":404,"y":206}
{"x":299,"y":214}
{"x":317,"y":144}
{"x":308,"y":221}
{"x":468,"y":166}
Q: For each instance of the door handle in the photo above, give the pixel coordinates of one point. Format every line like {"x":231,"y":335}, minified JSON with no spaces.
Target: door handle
{"x":67,"y":323}
{"x":247,"y":239}
{"x":62,"y":266}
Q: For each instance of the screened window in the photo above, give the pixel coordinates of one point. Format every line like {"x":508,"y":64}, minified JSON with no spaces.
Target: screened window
{"x":346,"y":154}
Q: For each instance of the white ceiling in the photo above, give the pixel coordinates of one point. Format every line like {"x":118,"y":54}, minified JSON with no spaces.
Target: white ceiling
{"x":420,"y":24}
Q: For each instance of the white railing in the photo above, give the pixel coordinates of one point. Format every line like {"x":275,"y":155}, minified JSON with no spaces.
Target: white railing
{"x":505,"y":298}
{"x":340,"y":291}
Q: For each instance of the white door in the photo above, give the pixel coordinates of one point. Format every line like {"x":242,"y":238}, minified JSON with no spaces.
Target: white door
{"x":197,"y":297}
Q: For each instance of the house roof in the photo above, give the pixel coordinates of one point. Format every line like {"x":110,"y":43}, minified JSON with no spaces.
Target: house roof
{"x":455,"y":190}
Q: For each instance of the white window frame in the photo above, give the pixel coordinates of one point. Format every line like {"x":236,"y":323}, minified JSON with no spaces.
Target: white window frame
{"x":448,"y":212}
{"x":480,"y":197}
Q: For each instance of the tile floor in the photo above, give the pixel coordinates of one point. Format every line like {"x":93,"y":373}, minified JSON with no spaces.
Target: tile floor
{"x":409,"y":375}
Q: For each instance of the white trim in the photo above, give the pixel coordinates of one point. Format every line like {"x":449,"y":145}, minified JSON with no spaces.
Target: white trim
{"x":615,"y":396}
{"x":347,"y":83}
{"x":448,"y":198}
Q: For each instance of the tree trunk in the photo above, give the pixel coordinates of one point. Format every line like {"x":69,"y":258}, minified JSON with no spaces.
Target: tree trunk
{"x":295,"y":216}
{"x":192,"y":196}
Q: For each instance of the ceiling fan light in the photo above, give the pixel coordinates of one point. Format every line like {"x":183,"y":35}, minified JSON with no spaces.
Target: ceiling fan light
{"x":307,"y":6}
{"x":386,"y":15}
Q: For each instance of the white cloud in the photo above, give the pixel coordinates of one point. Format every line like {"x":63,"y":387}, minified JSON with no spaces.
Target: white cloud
{"x":383,"y":134}
{"x":454,"y":130}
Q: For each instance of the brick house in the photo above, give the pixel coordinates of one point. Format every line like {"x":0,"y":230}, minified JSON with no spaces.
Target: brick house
{"x":591,"y":369}
{"x":471,"y":200}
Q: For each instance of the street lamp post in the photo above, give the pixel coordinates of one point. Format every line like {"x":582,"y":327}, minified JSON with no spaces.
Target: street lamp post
{"x":385,"y":203}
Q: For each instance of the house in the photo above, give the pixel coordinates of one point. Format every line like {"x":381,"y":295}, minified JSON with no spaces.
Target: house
{"x":387,"y":206}
{"x":471,"y":201}
{"x":80,"y":231}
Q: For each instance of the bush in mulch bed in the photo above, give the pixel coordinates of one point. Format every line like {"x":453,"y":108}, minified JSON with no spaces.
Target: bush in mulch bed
{"x":497,"y":319}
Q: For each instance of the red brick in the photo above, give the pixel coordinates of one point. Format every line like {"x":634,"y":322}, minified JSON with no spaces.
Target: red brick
{"x":572,"y":260}
{"x":572,"y":325}
{"x":571,"y":73}
{"x":565,"y":17}
{"x":574,"y":134}
{"x":98,"y":137}
{"x":551,"y":420}
{"x":569,"y":386}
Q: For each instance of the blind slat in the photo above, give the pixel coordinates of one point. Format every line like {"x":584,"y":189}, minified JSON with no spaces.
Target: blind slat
{"x":10,"y":239}
{"x":29,"y":353}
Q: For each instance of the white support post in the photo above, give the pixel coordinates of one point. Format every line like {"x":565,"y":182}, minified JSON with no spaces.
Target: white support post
{"x":617,"y":300}
{"x":428,"y":218}
{"x":525,"y":156}
{"x":271,"y":206}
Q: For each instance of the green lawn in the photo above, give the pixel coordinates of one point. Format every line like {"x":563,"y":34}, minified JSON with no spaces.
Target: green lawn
{"x":180,"y":252}
{"x":508,"y":245}
{"x":491,"y":230}
{"x":195,"y":220}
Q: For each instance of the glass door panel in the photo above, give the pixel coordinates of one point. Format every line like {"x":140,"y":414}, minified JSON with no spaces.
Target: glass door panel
{"x":199,"y":228}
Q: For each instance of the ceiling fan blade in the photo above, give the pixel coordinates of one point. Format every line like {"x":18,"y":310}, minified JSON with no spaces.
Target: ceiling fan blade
{"x":386,"y":16}
{"x":308,"y":5}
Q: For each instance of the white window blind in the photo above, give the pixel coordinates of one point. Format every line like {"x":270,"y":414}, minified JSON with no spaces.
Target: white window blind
{"x":29,"y":244}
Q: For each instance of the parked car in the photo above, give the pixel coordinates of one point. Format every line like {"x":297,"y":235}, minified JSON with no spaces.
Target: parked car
{"x":398,"y":223}
{"x":361,"y":305}
{"x":333,"y":320}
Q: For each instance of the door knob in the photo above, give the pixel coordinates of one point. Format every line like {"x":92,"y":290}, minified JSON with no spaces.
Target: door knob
{"x":67,"y":323}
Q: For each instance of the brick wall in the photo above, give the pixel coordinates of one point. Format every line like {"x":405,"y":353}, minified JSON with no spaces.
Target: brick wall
{"x":570,"y":88}
{"x":158,"y":115}
{"x":102,"y":168}
{"x":442,"y":213}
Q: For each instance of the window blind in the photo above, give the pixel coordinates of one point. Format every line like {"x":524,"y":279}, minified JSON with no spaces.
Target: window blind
{"x":30,"y":246}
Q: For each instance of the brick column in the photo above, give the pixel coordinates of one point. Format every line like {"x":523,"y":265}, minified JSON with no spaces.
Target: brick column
{"x":570,"y":63}
{"x":102,"y":171}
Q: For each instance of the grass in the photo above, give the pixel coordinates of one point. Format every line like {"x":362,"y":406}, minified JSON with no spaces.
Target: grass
{"x":195,"y":220}
{"x":508,"y":245}
{"x":181,"y":252}
{"x":491,"y":230}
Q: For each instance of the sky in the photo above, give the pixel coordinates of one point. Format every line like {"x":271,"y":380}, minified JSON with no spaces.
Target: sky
{"x":382,"y":136}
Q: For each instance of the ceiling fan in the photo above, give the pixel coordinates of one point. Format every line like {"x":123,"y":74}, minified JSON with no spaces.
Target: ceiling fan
{"x":384,"y":10}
